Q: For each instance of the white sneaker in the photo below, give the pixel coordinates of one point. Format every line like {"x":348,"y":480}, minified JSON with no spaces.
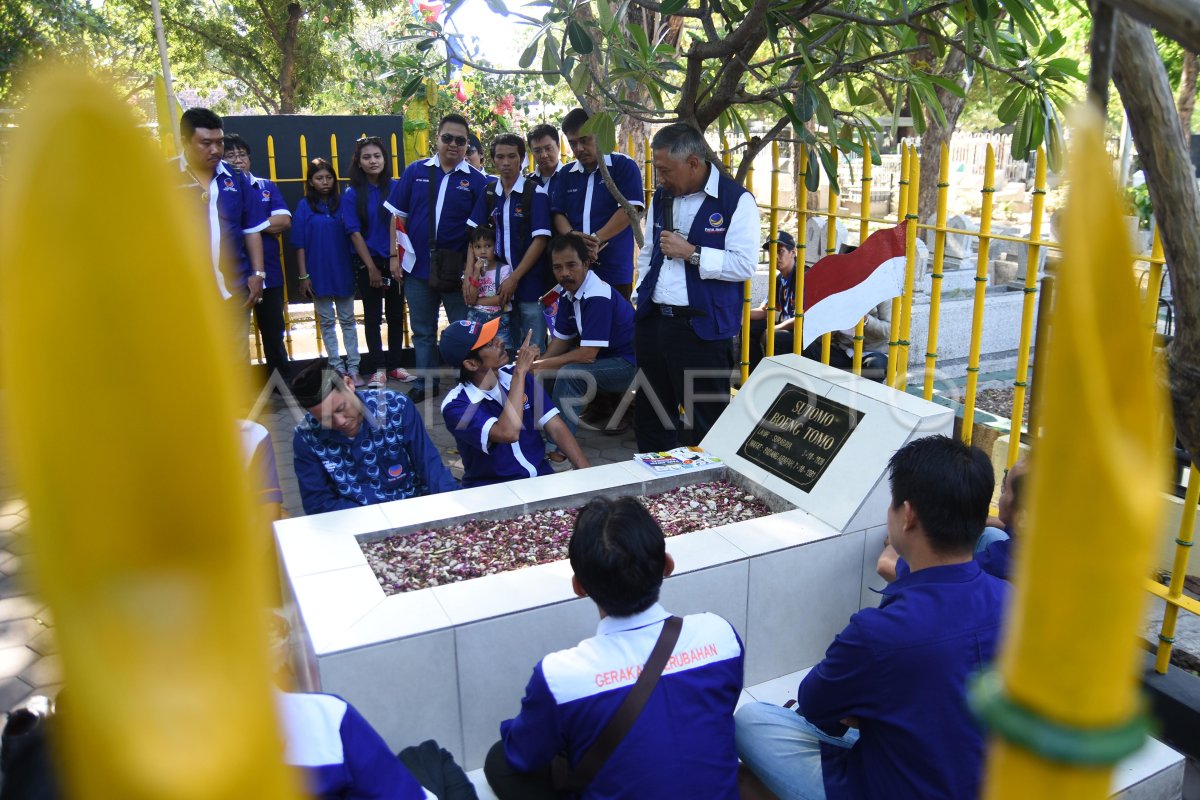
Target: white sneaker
{"x":378,"y":379}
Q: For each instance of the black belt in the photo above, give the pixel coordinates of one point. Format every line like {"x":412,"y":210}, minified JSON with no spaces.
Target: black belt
{"x":678,"y":311}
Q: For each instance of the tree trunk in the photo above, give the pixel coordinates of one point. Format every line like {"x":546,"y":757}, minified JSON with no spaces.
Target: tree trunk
{"x":1142,"y":82}
{"x":936,"y":134}
{"x":1186,"y":100}
{"x":287,"y":67}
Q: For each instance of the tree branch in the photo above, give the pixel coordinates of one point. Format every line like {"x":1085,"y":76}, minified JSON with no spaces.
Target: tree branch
{"x":1175,"y":19}
{"x":657,"y":9}
{"x":755,"y":146}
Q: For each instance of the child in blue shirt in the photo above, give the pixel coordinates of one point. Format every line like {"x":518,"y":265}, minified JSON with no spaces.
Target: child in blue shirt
{"x":319,"y":237}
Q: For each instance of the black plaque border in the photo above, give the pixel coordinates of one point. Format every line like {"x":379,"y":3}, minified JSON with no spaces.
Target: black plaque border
{"x":821,"y":402}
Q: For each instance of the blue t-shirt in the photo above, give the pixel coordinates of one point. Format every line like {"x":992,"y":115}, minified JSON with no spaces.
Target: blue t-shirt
{"x":599,"y":317}
{"x":470,"y":413}
{"x":341,"y":755}
{"x":682,"y":743}
{"x":321,"y":234}
{"x":271,"y":199}
{"x":229,"y":213}
{"x":456,"y":193}
{"x":588,"y":206}
{"x":391,"y":458}
{"x":514,"y":233}
{"x":379,"y":223}
{"x":901,"y":670}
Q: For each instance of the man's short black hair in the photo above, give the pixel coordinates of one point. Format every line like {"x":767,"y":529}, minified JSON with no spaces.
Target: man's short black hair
{"x":313,"y":384}
{"x":234,"y":141}
{"x":455,"y":118}
{"x":574,"y":120}
{"x":541,"y":132}
{"x":618,"y":554}
{"x":195,"y":118}
{"x":571,"y":241}
{"x":949,"y":484}
{"x":510,"y":139}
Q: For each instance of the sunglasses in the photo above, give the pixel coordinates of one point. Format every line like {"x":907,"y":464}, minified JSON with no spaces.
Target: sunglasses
{"x":370,"y":140}
{"x":449,"y":138}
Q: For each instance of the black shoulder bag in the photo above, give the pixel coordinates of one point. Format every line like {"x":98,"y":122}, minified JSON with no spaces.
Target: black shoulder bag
{"x":576,"y":780}
{"x":445,"y":266}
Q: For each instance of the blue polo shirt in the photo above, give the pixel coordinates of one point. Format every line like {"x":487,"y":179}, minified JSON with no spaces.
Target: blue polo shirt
{"x":379,"y":224}
{"x":681,"y":744}
{"x":599,"y":317}
{"x":340,"y":754}
{"x":588,"y":205}
{"x":456,"y":194}
{"x":230,"y":213}
{"x":470,"y":413}
{"x":902,"y":670}
{"x":268,"y":195}
{"x":321,"y":234}
{"x":996,"y":558}
{"x":515,"y":234}
{"x":391,"y":458}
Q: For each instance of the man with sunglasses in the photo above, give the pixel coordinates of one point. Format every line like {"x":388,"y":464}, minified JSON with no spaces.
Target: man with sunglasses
{"x":456,"y":188}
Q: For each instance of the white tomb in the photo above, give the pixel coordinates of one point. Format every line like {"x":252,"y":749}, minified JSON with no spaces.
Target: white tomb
{"x":451,"y":662}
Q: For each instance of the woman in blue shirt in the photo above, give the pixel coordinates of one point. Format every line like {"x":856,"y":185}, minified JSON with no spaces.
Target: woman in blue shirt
{"x":373,"y":247}
{"x":325,"y":274}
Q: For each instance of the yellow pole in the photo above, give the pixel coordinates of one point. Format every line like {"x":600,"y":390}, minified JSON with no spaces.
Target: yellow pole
{"x":746,"y":289}
{"x":648,"y":172}
{"x":1183,"y":546}
{"x":830,"y":243}
{"x":864,"y":227}
{"x":629,"y":146}
{"x":935,"y":275}
{"x":1154,"y":284}
{"x":894,"y":328}
{"x":801,"y":249}
{"x":333,"y":157}
{"x":1063,"y":707}
{"x":304,"y":177}
{"x":287,"y":316}
{"x":1029,"y":305}
{"x":772,"y":252}
{"x":981,"y":279}
{"x":160,"y":622}
{"x":910,"y":266}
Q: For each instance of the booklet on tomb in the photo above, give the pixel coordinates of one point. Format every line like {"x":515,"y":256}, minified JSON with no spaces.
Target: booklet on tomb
{"x":680,"y":458}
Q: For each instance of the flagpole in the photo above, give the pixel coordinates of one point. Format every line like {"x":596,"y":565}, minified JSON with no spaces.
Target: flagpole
{"x":172,"y":105}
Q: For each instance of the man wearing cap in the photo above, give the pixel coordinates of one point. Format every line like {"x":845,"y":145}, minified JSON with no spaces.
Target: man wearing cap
{"x":358,"y":448}
{"x":702,"y":240}
{"x":785,"y":302}
{"x":497,"y":408}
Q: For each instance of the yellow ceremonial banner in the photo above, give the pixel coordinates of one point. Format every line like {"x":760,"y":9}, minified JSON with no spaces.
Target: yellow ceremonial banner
{"x":140,"y":511}
{"x":1069,"y":655}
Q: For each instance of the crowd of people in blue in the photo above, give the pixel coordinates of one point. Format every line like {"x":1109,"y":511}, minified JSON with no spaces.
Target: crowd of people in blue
{"x":646,"y":708}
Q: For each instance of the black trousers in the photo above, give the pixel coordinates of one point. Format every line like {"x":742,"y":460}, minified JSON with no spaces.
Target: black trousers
{"x":509,"y":784}
{"x":268,"y":316}
{"x":783,"y":342}
{"x":386,"y":301}
{"x":681,"y":369}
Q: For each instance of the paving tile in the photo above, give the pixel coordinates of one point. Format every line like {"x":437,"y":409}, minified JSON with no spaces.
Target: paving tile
{"x":13,"y":585}
{"x":10,"y":521}
{"x":13,"y":692}
{"x":18,"y":607}
{"x":45,"y":643}
{"x":13,"y":506}
{"x":18,"y":632}
{"x":46,"y":671}
{"x":13,"y":660}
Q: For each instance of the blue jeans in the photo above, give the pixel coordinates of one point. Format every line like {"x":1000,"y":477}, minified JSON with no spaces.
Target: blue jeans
{"x":477,"y":314}
{"x":784,"y":749}
{"x":988,"y":536}
{"x":575,"y":384}
{"x":423,"y":307}
{"x":345,"y":319}
{"x":528,"y":316}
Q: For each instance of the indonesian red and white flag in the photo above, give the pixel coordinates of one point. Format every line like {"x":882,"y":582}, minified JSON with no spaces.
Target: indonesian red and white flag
{"x":404,"y":246}
{"x":840,"y":289}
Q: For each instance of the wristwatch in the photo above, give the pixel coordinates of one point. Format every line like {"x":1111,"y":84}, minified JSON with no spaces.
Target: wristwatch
{"x":694,"y":258}
{"x":258,"y":273}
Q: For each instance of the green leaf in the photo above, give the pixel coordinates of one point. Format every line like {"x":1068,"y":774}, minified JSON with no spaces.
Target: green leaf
{"x":830,"y":166}
{"x":915,"y":111}
{"x":550,"y":60}
{"x":580,"y":39}
{"x":579,"y":78}
{"x":602,"y":127}
{"x":604,"y":13}
{"x":669,"y":7}
{"x":897,"y":109}
{"x":643,"y":43}
{"x":410,"y":88}
{"x":426,"y":43}
{"x":1018,"y":147}
{"x":953,"y":87}
{"x":823,"y":108}
{"x":983,"y":9}
{"x":812,"y":172}
{"x":1055,"y":148}
{"x":531,"y":51}
{"x":1010,"y":107}
{"x":497,"y":7}
{"x":1034,"y":113}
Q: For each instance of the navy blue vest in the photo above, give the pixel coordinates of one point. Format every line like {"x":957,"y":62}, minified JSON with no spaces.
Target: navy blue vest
{"x":719,"y":302}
